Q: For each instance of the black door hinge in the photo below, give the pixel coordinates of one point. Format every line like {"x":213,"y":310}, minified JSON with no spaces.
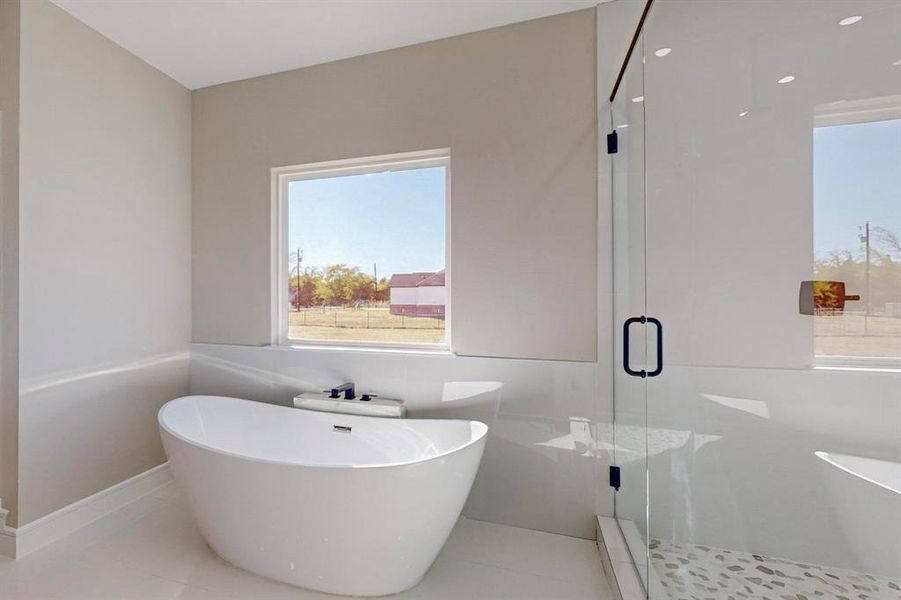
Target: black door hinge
{"x":615,"y":478}
{"x":612,"y":142}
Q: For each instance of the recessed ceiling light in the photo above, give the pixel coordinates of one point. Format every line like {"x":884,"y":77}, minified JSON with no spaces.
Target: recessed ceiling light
{"x":638,"y":99}
{"x":850,"y":20}
{"x":897,"y":63}
{"x":623,"y":126}
{"x":787,"y":79}
{"x":661,"y":52}
{"x":743,"y":113}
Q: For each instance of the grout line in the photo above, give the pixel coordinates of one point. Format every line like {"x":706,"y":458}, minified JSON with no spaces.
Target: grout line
{"x":539,"y":531}
{"x":587,"y":584}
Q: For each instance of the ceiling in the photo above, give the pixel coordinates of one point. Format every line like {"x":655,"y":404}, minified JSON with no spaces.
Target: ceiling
{"x":205,"y":42}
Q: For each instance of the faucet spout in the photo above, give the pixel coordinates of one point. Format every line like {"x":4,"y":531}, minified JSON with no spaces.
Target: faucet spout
{"x":347,"y":388}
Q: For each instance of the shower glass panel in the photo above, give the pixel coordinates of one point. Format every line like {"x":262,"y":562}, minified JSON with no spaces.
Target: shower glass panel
{"x":630,"y":393}
{"x":771,"y":182}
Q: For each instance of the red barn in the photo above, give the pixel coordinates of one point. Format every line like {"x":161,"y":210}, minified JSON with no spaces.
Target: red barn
{"x":418,"y":294}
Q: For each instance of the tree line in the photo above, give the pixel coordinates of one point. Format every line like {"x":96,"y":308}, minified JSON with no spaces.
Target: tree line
{"x":851,"y":267}
{"x":335,"y":285}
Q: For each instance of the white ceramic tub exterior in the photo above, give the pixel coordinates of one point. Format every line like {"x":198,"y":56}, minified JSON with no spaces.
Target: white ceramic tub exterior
{"x":866,"y":496}
{"x":293,"y":495}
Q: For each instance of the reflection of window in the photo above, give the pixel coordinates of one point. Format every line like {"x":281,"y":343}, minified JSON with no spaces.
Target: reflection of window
{"x":857,"y":233}
{"x":362,"y":251}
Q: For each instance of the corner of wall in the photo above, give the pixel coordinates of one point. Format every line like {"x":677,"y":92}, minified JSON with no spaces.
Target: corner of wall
{"x":10,"y":26}
{"x":82,"y":407}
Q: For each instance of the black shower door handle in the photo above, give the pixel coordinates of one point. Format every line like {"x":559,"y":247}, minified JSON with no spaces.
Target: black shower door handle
{"x":628,"y":369}
{"x":626,"y":331}
{"x":659,"y":369}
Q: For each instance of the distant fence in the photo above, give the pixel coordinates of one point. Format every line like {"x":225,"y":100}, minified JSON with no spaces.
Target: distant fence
{"x":858,"y":323}
{"x":350,"y":317}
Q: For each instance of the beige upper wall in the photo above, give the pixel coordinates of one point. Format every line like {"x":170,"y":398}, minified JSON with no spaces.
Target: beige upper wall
{"x":516,"y":105}
{"x":105,"y":226}
{"x":9,"y":266}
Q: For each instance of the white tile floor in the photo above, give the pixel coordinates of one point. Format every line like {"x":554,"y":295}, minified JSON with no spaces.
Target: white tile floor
{"x":157,"y":554}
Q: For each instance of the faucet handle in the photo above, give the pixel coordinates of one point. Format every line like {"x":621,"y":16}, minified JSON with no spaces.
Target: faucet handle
{"x":368,"y":397}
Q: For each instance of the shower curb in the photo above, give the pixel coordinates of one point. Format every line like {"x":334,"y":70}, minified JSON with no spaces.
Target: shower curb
{"x":616,"y":559}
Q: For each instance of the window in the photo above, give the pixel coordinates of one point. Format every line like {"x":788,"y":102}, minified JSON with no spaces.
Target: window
{"x":857,"y":236}
{"x":362,"y":251}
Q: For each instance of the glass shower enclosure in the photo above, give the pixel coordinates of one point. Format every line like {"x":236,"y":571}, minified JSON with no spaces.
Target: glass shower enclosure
{"x":757,"y":299}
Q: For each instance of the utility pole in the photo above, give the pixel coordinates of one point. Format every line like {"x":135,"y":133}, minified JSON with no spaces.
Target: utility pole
{"x":299,"y":260}
{"x":865,"y":238}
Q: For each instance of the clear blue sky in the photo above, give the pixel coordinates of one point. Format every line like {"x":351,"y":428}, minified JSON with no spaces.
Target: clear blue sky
{"x":395,"y":219}
{"x":857,"y":177}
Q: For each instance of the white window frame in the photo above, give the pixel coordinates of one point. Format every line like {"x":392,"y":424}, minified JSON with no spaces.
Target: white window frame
{"x":283,"y":176}
{"x":849,"y":113}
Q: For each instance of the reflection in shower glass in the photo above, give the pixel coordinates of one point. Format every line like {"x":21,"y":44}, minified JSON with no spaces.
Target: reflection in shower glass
{"x":857,"y":235}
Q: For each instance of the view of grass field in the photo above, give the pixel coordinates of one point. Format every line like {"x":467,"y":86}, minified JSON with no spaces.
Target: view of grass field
{"x":363,"y":324}
{"x":848,"y":335}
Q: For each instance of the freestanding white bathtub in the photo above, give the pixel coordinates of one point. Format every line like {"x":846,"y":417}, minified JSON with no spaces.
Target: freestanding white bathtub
{"x":337,"y":503}
{"x":866,"y":495}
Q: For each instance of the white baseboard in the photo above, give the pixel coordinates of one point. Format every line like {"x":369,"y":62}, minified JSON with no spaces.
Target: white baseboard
{"x":24,"y":540}
{"x":7,"y":535}
{"x":7,"y":544}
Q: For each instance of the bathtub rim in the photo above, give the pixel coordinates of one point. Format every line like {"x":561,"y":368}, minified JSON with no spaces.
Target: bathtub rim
{"x":829,"y":458}
{"x":481,"y":428}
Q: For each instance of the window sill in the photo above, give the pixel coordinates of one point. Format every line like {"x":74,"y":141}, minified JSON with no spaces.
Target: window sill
{"x":302,"y":345}
{"x":857,"y":363}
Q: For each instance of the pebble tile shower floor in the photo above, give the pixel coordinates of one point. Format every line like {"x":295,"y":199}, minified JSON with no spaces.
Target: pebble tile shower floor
{"x":694,"y":572}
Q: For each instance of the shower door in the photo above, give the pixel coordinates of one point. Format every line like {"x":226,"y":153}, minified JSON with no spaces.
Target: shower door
{"x":757,"y":207}
{"x":626,"y":144}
